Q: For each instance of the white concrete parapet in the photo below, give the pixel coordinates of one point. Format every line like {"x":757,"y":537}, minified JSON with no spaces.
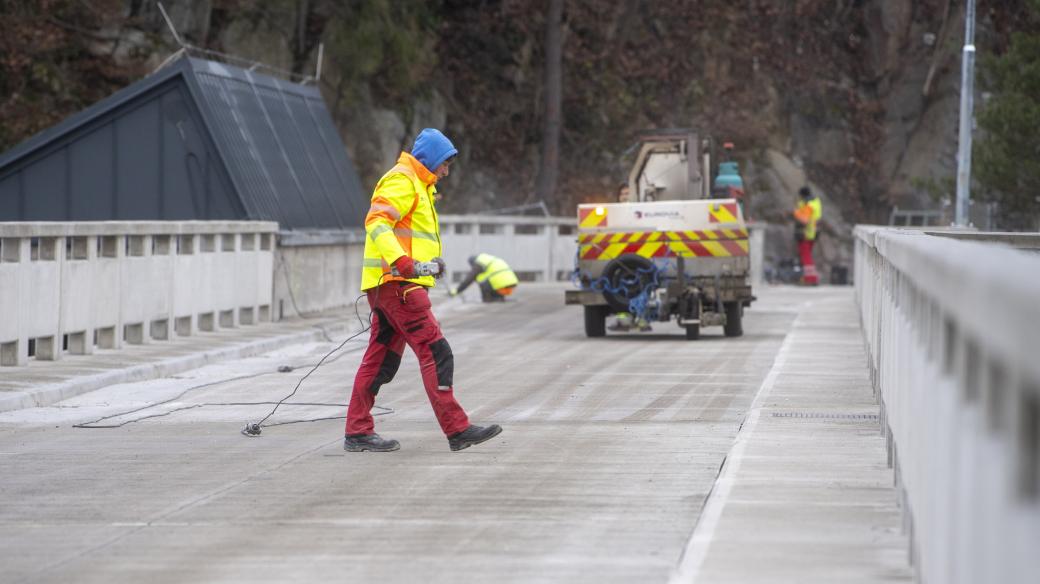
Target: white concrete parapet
{"x":953,"y":334}
{"x":317,"y":271}
{"x":80,"y":285}
{"x":320,"y":270}
{"x":538,"y":249}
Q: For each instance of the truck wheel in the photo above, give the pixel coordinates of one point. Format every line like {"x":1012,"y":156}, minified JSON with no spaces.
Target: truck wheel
{"x":734,"y":315}
{"x":693,"y":332}
{"x":595,"y":321}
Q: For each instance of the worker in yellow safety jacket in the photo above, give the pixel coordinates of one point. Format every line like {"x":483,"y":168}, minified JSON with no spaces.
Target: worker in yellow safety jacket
{"x":401,"y":229}
{"x":494,"y":276}
{"x":807,"y":216}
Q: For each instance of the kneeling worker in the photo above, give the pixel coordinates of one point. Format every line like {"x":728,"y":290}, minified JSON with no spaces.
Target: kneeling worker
{"x":493,"y":274}
{"x":402,"y":231}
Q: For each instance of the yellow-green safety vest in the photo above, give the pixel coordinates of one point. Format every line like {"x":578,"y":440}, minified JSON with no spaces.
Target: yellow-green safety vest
{"x":401,"y":221}
{"x":496,"y":272}
{"x":817,"y":212}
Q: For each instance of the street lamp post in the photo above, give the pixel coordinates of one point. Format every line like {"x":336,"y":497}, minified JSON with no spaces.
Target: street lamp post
{"x":966,"y":123}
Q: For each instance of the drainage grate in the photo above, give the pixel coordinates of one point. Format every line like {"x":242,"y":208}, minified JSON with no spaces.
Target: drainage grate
{"x":827,"y":416}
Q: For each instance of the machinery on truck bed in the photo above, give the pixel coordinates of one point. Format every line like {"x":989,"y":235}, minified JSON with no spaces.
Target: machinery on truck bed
{"x":673,"y":252}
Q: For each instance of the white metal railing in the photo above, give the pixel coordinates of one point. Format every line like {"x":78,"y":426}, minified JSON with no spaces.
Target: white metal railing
{"x":953,"y":336}
{"x":71,"y":287}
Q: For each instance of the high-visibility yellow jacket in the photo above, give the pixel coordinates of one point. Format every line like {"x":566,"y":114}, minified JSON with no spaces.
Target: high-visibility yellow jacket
{"x":808,"y":214}
{"x":401,"y":221}
{"x":496,"y":272}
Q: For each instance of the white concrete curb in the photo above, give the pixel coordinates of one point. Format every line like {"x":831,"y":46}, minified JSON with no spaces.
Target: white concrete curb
{"x":45,"y":395}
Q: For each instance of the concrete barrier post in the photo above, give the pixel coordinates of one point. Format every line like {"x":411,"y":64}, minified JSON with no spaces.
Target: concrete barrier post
{"x":757,"y":249}
{"x":14,"y":286}
{"x":548,"y":233}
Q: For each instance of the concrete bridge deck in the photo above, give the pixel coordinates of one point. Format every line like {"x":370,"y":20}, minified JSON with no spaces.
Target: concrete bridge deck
{"x":635,"y":458}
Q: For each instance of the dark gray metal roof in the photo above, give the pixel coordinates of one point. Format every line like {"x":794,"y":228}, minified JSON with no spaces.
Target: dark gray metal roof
{"x":195,"y":140}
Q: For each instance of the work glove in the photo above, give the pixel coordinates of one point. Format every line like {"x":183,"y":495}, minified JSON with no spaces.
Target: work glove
{"x":405,"y":267}
{"x":442,"y":267}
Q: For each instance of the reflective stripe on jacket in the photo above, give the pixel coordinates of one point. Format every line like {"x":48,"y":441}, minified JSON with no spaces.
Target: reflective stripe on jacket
{"x":811,"y":211}
{"x":496,"y":272}
{"x":401,"y":221}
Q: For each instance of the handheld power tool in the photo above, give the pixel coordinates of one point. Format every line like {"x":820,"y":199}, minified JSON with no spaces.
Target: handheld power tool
{"x":431,"y":268}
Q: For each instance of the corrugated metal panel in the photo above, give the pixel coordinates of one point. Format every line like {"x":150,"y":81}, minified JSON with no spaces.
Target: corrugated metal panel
{"x":137,"y":167}
{"x":140,"y":154}
{"x":286,"y":164}
{"x":229,"y":123}
{"x":348,"y":192}
{"x":184,"y":162}
{"x":293,"y":142}
{"x":44,"y":188}
{"x":90,"y":194}
{"x":196,"y":140}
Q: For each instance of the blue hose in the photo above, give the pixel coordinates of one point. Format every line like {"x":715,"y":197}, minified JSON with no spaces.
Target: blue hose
{"x":638,"y":305}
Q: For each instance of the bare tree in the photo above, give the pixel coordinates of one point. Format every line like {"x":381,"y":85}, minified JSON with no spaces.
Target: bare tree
{"x":303,"y":28}
{"x":549,"y":170}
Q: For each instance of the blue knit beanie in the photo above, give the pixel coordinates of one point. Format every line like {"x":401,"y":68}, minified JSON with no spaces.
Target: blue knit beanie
{"x":432,"y":148}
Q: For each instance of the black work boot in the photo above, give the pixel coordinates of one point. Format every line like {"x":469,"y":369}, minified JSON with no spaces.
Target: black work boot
{"x":370,"y":442}
{"x":473,"y":435}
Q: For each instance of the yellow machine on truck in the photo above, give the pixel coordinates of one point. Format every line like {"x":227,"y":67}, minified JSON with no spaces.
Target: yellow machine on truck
{"x":675,"y":252}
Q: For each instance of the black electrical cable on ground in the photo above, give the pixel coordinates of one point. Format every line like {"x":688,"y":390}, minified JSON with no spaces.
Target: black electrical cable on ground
{"x":253,"y":430}
{"x":95,"y":424}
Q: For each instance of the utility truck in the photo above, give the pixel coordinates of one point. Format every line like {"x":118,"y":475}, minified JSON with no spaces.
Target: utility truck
{"x":676,"y":250}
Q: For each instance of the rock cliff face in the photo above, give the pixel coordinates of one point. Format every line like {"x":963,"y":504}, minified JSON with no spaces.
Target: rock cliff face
{"x":872,"y":128}
{"x":856,"y":98}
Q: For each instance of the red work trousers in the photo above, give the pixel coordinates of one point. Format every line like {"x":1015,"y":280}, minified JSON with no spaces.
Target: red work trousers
{"x":401,"y":314}
{"x":809,"y":274}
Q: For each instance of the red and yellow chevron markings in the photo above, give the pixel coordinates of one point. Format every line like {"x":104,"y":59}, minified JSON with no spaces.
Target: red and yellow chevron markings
{"x":590,"y":217}
{"x":723,"y":213}
{"x":662,"y":244}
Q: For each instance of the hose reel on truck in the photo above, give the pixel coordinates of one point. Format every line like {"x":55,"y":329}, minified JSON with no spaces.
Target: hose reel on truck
{"x":626,"y":278}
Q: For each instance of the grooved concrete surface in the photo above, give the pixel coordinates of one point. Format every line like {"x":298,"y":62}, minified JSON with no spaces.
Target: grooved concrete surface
{"x":610,"y":449}
{"x":809,"y":498}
